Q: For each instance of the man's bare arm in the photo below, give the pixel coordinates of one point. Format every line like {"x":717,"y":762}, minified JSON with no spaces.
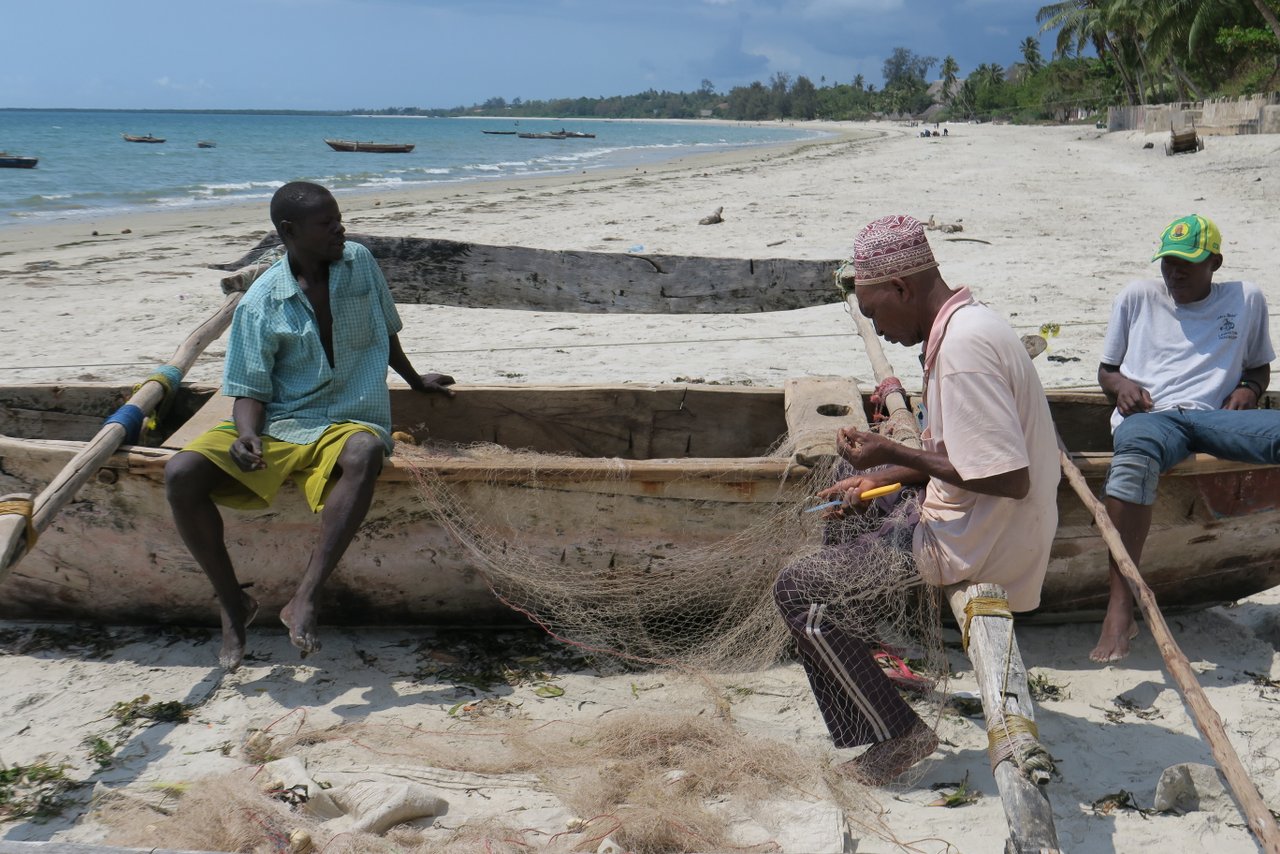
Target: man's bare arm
{"x":864,"y":450}
{"x":1127,"y":395}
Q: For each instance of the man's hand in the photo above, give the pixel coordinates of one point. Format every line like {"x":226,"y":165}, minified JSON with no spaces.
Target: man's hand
{"x":435,"y":384}
{"x":850,"y":491}
{"x":1132,"y":398}
{"x":863,"y":450}
{"x":1241,"y":398}
{"x":246,"y":452}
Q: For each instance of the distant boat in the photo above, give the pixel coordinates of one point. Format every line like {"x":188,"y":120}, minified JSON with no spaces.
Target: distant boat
{"x":204,"y":143}
{"x":16,"y":161}
{"x":372,"y":147}
{"x":558,"y":134}
{"x":500,"y":132}
{"x":147,"y":138}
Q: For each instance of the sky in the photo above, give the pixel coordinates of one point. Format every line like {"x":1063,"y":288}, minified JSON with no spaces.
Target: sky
{"x":350,"y":54}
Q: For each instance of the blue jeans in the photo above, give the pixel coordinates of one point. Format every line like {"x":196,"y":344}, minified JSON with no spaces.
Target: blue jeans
{"x":1148,"y":444}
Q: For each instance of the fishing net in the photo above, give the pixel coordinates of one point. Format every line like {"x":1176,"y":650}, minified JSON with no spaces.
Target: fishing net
{"x":694,"y":593}
{"x":692,"y":588}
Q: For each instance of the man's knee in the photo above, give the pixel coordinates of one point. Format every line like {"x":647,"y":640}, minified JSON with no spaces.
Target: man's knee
{"x":1133,"y":478}
{"x":188,"y":475}
{"x":362,"y":455}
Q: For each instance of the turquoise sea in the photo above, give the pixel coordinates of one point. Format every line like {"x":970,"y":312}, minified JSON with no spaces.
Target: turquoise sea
{"x":87,"y":168}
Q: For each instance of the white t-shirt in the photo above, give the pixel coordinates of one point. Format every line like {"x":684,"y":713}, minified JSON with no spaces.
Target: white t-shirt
{"x":1189,"y":356}
{"x":988,"y":413}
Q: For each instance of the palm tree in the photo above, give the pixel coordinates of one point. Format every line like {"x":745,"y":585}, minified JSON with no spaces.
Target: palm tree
{"x":1081,"y":22}
{"x":1031,"y":54}
{"x":950,"y":68}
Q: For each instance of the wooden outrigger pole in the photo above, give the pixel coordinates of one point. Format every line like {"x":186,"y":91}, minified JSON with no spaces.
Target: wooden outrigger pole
{"x":1020,"y":765}
{"x":1259,"y":818}
{"x":22,"y":518}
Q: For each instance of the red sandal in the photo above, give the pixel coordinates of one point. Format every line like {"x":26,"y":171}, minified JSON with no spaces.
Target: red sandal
{"x":899,"y":673}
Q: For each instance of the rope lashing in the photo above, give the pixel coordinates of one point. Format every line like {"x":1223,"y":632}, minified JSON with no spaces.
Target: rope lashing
{"x":170,"y":377}
{"x":1011,"y":736}
{"x":880,"y":397}
{"x":844,"y":278}
{"x":129,"y":417}
{"x":983,"y":606}
{"x":23,"y":507}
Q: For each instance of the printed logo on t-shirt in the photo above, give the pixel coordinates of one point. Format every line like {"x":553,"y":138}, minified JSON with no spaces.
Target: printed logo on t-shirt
{"x":1227,"y":327}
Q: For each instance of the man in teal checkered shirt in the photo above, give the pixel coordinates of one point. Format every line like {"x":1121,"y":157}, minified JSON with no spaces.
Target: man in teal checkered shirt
{"x":307,"y":365}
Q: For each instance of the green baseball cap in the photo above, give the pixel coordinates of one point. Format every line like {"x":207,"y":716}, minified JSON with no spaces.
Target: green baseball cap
{"x":1193,"y":238}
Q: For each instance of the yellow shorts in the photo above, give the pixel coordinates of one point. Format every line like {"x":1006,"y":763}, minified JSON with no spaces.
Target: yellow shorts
{"x":308,"y":465}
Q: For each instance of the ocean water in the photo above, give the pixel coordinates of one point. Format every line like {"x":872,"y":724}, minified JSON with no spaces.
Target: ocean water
{"x":86,"y":168}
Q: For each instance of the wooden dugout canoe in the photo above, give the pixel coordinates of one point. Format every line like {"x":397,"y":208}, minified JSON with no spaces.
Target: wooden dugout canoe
{"x":657,"y":469}
{"x":475,"y":275}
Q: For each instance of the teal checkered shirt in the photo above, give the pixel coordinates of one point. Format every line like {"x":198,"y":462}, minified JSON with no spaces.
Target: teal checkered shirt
{"x":274,"y":352}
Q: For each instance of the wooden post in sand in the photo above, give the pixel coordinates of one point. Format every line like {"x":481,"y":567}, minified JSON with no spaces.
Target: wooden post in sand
{"x":997,"y":665}
{"x":14,"y":542}
{"x":1255,"y":810}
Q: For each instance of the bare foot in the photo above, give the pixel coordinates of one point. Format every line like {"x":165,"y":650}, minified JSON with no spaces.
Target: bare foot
{"x":1114,"y":643}
{"x":300,"y":619}
{"x":233,"y":633}
{"x":885,"y":761}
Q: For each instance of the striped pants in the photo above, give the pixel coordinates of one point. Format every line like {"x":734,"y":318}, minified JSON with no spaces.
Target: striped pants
{"x":858,"y":702}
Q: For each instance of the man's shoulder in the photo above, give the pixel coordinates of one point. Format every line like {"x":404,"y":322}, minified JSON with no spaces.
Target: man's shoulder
{"x":357,"y":253}
{"x":265,"y":284}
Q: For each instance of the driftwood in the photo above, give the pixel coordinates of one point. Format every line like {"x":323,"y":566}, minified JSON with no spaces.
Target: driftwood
{"x":473,"y":275}
{"x":993,"y":652}
{"x":1255,"y":811}
{"x":52,"y":847}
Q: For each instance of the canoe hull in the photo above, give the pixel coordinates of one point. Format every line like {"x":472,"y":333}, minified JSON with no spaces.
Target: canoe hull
{"x":113,"y":556}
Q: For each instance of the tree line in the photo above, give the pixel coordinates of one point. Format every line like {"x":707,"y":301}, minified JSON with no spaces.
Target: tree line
{"x":1105,"y":52}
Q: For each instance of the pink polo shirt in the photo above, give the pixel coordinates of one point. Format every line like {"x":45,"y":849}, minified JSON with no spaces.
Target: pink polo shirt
{"x":987,"y":411}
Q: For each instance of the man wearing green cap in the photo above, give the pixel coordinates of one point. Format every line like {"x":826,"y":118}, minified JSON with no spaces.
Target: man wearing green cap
{"x":1186,"y":362}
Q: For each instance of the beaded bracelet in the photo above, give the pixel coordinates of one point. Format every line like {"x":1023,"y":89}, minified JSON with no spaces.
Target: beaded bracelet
{"x":1255,"y":387}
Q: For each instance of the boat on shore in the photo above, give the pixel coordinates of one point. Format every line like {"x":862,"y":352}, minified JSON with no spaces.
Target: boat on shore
{"x":648,"y":470}
{"x":370,"y":147}
{"x":148,"y":138}
{"x":17,"y":161}
{"x":477,"y":275}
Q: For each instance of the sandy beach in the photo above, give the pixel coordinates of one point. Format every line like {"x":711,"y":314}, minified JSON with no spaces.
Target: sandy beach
{"x":1055,"y":220}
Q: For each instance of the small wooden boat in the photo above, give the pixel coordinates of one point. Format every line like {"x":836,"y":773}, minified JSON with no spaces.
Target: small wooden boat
{"x":371,"y":147}
{"x":475,"y":275}
{"x":500,"y":132}
{"x":553,"y":135}
{"x":147,"y":138}
{"x":204,"y":143}
{"x":17,"y":161}
{"x":576,"y":134}
{"x":656,"y":469}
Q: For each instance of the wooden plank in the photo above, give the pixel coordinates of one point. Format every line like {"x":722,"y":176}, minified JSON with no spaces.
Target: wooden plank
{"x":1002,"y":681}
{"x":215,"y":410}
{"x":473,"y":275}
{"x":816,"y":408}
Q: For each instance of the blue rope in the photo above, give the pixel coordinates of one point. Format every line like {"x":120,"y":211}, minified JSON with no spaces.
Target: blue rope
{"x":129,"y":417}
{"x":168,"y":376}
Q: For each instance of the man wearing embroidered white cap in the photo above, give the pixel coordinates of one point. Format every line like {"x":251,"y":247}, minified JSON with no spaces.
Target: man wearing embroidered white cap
{"x":990,"y":472}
